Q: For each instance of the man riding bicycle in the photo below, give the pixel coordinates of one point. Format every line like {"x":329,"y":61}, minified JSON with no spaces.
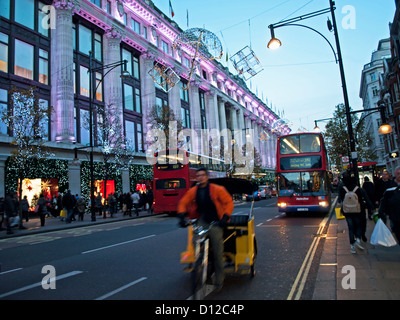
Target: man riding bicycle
{"x":210,"y":204}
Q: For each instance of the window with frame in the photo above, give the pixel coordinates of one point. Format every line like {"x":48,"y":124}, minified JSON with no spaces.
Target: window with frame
{"x":185,"y":116}
{"x":3,"y":52}
{"x":184,"y":93}
{"x":5,"y":6}
{"x":164,"y":46}
{"x":23,"y":59}
{"x":24,"y":13}
{"x":96,"y":2}
{"x":89,"y":40}
{"x":43,"y":66}
{"x":132,"y":98}
{"x":85,"y":39}
{"x":133,"y":63}
{"x":84,"y":131}
{"x":135,"y":25}
{"x":108,"y":8}
{"x":3,"y":108}
{"x":84,"y":81}
{"x":99,"y":86}
{"x":202,"y":110}
{"x":134,"y":135}
{"x":45,"y":121}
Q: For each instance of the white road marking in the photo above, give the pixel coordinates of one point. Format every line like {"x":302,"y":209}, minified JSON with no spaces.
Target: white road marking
{"x":8,"y":271}
{"x":121,"y":289}
{"x":39,"y":284}
{"x":118,"y":244}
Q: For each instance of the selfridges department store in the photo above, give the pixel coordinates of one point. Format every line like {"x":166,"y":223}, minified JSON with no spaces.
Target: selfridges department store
{"x":46,"y":44}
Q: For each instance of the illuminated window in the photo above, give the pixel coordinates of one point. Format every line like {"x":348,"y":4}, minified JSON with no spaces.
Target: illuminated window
{"x":3,"y":52}
{"x":23,"y":59}
{"x":43,"y":66}
{"x":84,"y":81}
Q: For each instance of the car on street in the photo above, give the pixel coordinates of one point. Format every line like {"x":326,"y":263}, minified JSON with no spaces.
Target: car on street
{"x":265,"y":192}
{"x":256,"y":196}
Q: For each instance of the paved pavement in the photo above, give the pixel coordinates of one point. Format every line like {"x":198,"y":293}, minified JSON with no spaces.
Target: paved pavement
{"x":376,"y":269}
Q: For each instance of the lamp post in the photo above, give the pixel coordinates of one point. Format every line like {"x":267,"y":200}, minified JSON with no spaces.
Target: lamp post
{"x":91,"y":71}
{"x":275,"y":43}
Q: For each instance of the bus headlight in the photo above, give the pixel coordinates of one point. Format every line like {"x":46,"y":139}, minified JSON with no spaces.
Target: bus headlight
{"x":282,"y":204}
{"x":323,"y":204}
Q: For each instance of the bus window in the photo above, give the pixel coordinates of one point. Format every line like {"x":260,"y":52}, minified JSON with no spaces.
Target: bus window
{"x":313,"y":183}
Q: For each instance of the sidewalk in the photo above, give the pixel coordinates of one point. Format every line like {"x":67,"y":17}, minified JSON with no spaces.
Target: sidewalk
{"x":53,"y":224}
{"x":377,"y":269}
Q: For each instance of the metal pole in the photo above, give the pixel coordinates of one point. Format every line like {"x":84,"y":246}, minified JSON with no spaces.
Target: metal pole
{"x":92,"y":211}
{"x":345,"y":95}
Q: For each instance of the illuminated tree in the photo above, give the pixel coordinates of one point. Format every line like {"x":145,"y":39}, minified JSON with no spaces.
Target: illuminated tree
{"x":27,"y":119}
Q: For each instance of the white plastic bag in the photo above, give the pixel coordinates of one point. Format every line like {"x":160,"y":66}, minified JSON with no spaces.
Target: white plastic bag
{"x":382,"y":236}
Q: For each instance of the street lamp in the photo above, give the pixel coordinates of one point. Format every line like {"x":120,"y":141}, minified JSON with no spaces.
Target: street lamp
{"x":338,"y":57}
{"x":124,"y":74}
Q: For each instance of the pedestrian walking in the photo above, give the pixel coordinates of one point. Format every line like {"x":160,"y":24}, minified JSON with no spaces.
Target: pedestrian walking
{"x":211,"y":204}
{"x":98,"y":204}
{"x":68,"y":202}
{"x":381,"y":186}
{"x":136,"y":201}
{"x":149,"y":200}
{"x":390,"y":205}
{"x":354,"y":201}
{"x":25,"y":208}
{"x":42,"y":209}
{"x":80,"y":208}
{"x":9,"y":211}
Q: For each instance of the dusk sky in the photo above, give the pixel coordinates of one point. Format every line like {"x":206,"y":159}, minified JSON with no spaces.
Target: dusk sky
{"x":301,"y":79}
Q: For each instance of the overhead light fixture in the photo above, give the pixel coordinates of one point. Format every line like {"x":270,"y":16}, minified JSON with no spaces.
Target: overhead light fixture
{"x":125,"y":73}
{"x":274,"y":43}
{"x":385,"y":129}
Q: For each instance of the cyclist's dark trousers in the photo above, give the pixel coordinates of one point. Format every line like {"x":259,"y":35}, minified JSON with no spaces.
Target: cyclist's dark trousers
{"x":217,"y":245}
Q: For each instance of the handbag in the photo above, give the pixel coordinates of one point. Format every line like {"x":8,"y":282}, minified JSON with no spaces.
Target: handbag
{"x":37,"y":208}
{"x":339,"y":215}
{"x":382,"y":236}
{"x":63,"y":213}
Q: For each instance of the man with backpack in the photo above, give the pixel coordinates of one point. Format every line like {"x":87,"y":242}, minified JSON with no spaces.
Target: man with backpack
{"x":354,"y":201}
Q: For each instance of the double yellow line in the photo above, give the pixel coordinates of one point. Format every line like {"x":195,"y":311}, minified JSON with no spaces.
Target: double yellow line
{"x":301,"y":279}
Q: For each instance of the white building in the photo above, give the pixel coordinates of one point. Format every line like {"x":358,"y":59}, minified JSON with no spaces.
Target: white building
{"x":56,"y":62}
{"x":370,"y":94}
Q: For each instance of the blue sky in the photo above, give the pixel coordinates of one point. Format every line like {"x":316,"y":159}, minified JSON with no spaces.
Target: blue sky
{"x":301,"y":78}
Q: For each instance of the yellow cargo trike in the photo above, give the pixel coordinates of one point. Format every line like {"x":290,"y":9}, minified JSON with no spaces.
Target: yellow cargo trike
{"x":240,"y":244}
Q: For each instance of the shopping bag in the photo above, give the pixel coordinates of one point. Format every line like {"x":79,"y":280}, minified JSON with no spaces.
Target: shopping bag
{"x":63,"y":213}
{"x":382,"y":236}
{"x":339,"y":214}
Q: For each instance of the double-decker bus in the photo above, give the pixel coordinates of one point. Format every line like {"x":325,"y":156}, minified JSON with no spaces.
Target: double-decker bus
{"x":302,"y":174}
{"x":175,"y":173}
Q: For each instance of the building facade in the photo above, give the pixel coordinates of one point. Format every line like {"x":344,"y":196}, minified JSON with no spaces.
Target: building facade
{"x":390,"y":93}
{"x":50,"y":45}
{"x":370,"y":89}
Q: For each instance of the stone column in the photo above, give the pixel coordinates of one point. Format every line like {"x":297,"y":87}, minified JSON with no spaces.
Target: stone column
{"x":74,"y":177}
{"x":148,"y":89}
{"x":222,"y":114}
{"x":62,"y":94}
{"x":112,"y":81}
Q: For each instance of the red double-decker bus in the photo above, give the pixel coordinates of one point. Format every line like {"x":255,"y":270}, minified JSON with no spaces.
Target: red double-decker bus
{"x":175,"y":173}
{"x":302,"y":174}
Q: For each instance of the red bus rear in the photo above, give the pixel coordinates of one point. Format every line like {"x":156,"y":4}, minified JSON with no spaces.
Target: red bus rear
{"x":302,"y":173}
{"x":175,"y":173}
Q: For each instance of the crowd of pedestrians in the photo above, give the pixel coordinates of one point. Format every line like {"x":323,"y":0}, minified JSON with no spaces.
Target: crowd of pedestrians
{"x":381,"y":197}
{"x":68,"y":207}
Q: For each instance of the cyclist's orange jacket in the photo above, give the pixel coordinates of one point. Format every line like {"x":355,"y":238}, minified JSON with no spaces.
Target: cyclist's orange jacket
{"x":222,"y":200}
